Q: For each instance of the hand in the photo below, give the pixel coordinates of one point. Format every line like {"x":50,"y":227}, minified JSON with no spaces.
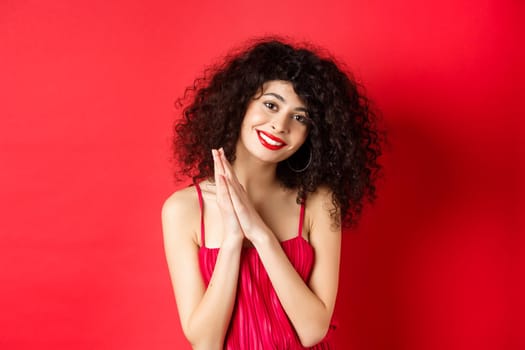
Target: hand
{"x":232,"y":228}
{"x":251,"y":224}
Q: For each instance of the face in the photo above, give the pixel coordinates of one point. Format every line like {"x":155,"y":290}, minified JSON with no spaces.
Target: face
{"x":275,"y":124}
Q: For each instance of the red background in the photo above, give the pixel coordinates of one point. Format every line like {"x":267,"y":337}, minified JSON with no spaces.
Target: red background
{"x":86,"y":106}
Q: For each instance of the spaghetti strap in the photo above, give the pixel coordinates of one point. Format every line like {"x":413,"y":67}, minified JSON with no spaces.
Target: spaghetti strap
{"x":201,"y":205}
{"x":301,"y":219}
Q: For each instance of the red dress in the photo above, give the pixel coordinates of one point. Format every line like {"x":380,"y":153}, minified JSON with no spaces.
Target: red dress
{"x":259,"y":322}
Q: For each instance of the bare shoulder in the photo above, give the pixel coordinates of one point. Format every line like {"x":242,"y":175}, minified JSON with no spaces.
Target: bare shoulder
{"x":184,"y":199}
{"x":319,"y":211}
{"x":322,"y":196}
{"x":319,"y":203}
{"x":180,"y":213}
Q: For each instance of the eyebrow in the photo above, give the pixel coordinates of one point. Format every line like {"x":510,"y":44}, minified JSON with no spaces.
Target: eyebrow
{"x":279,"y":97}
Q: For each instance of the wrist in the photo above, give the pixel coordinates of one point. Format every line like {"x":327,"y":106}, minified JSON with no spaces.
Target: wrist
{"x":263,"y":238}
{"x":232,"y":242}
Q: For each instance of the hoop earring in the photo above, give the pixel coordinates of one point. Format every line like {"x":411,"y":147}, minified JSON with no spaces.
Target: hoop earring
{"x":303,"y":168}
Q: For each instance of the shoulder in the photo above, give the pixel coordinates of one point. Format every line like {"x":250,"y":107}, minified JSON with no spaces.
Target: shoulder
{"x":181,"y":212}
{"x":320,"y":201}
{"x":180,"y":202}
{"x":320,"y":211}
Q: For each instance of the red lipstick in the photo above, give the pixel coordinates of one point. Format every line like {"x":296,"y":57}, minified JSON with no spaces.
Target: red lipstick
{"x":270,"y":141}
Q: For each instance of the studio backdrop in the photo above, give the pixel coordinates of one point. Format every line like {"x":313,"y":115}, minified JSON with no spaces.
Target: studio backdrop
{"x":87,"y":92}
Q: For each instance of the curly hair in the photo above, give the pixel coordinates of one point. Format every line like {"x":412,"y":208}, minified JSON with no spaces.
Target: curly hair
{"x":343,"y":139}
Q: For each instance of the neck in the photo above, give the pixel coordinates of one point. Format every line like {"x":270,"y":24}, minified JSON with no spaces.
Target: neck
{"x":254,"y":175}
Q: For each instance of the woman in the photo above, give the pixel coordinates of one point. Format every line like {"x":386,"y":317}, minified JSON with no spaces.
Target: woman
{"x":282,"y":148}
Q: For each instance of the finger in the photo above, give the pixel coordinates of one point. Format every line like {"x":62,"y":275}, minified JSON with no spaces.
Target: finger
{"x":239,"y":202}
{"x":223,"y":199}
{"x":223,"y":195}
{"x":217,"y":166}
{"x":233,"y":193}
{"x":226,"y":166}
{"x":237,"y":194}
{"x":230,"y":221}
{"x":222,"y":192}
{"x":228,"y":169}
{"x":221,"y":187}
{"x":218,"y":159}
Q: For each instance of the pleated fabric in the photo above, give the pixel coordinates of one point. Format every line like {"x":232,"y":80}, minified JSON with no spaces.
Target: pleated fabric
{"x":259,"y":321}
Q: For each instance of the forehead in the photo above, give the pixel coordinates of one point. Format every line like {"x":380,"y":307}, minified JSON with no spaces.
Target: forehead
{"x":285,"y":90}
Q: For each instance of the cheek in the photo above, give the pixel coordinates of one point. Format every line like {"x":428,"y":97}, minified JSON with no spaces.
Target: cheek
{"x":253,"y":117}
{"x":302,"y":134}
{"x":258,"y":117}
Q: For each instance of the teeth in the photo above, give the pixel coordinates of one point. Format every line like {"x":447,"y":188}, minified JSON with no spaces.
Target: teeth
{"x":269,"y":140}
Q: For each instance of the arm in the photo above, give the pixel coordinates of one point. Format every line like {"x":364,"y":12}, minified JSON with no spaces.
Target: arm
{"x":205,"y":313}
{"x":309,"y":307}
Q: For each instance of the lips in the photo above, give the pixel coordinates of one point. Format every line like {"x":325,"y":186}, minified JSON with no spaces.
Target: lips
{"x":269,"y":141}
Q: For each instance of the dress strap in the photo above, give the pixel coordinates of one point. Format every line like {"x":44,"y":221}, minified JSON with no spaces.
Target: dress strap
{"x":301,"y":219}
{"x":201,"y":206}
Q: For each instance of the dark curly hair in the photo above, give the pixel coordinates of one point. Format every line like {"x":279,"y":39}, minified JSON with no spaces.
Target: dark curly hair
{"x":343,"y":138}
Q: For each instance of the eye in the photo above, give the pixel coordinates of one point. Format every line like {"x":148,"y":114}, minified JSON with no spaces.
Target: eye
{"x":270,"y":105}
{"x":301,"y":119}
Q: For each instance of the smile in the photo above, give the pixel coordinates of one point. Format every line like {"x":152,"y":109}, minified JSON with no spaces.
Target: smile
{"x":269,"y":141}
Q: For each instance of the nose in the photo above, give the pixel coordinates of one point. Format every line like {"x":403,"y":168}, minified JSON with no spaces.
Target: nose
{"x":280,"y":124}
